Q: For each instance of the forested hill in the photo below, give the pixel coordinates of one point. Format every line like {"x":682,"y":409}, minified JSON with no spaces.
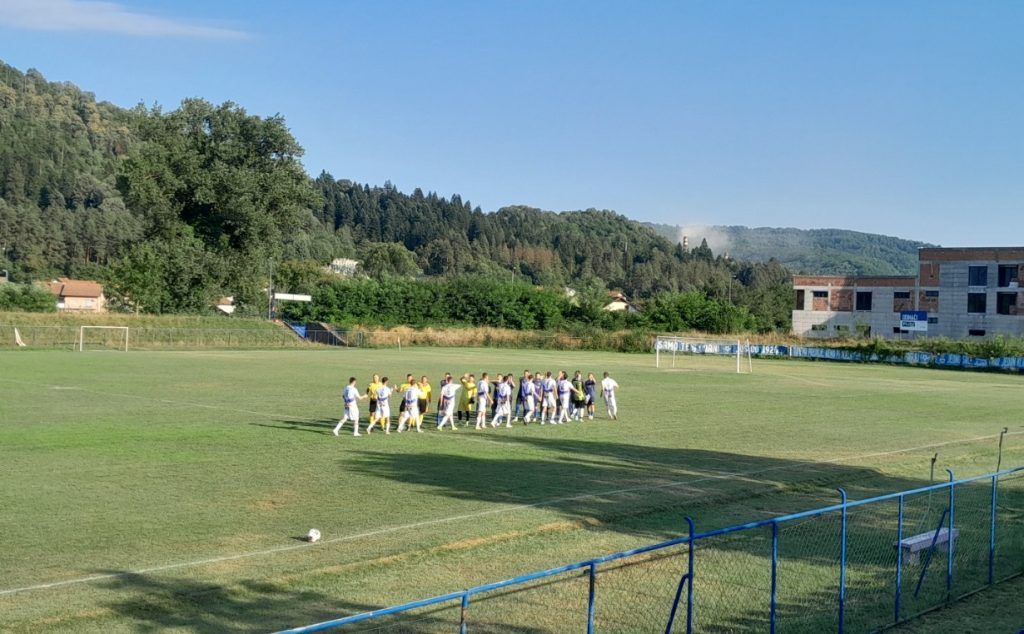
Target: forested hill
{"x":60,"y":209}
{"x":816,"y":251}
{"x":171,"y":209}
{"x":449,"y":237}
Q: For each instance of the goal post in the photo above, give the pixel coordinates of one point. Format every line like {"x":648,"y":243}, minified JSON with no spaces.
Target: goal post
{"x":671,"y":347}
{"x":121,"y":341}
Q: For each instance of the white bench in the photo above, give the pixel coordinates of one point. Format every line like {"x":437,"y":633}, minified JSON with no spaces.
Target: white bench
{"x":912,"y":547}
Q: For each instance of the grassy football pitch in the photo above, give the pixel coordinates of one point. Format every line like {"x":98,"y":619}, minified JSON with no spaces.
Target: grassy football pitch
{"x":168,"y":490}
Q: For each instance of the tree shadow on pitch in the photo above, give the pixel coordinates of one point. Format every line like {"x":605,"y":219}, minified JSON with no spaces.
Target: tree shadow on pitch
{"x":645,"y":492}
{"x":638,"y":489}
{"x":321,"y":426}
{"x":154,"y":603}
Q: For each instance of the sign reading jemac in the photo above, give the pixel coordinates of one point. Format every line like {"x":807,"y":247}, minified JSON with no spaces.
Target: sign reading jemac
{"x":914,"y":321}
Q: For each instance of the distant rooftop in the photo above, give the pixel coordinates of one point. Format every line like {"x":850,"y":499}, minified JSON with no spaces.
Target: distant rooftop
{"x":65,"y":287}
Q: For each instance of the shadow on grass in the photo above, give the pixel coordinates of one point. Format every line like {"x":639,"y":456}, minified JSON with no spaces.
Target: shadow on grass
{"x":644,"y":491}
{"x":322,"y":426}
{"x":155,"y":603}
{"x":627,"y":484}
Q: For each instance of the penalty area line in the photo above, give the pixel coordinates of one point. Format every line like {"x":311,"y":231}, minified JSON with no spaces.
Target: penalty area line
{"x":484,"y":513}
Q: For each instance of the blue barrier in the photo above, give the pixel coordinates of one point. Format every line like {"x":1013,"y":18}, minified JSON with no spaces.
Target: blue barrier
{"x":299,"y":328}
{"x":696,"y":543}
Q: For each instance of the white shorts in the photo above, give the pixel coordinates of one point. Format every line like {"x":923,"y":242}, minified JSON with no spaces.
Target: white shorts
{"x":383,"y":411}
{"x":609,"y":400}
{"x":449,"y":407}
{"x":529,"y":403}
{"x":504,"y":409}
{"x":413,"y":411}
{"x":549,"y":399}
{"x":352,"y":411}
{"x":565,"y":401}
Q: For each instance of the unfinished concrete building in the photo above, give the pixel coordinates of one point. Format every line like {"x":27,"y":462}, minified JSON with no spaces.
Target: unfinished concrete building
{"x":963,"y":292}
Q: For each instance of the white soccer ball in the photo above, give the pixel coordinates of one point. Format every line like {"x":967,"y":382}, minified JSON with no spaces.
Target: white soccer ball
{"x":313,"y":536}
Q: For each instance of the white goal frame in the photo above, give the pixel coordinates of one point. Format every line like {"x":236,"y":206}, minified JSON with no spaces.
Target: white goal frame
{"x":703,"y":345}
{"x":81,"y":335}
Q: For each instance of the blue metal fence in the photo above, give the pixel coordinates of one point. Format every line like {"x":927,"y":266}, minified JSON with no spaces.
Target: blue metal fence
{"x":912,"y":357}
{"x":850,"y":567}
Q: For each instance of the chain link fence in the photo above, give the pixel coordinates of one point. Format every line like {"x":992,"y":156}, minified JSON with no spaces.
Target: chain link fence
{"x":147,"y":338}
{"x":856,"y":566}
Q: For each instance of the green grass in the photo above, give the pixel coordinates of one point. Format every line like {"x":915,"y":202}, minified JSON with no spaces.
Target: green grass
{"x":127,"y":467}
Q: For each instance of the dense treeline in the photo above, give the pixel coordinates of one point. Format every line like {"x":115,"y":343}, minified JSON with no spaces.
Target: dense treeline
{"x":60,"y":209}
{"x":478,"y":301}
{"x":27,"y":298}
{"x":171,"y":209}
{"x":584,"y":249}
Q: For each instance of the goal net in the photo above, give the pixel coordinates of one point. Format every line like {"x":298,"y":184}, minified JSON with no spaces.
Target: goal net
{"x":102,"y":338}
{"x":666,"y":349}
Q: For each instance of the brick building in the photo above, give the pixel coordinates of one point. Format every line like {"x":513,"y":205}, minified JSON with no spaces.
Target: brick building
{"x":966,"y":292}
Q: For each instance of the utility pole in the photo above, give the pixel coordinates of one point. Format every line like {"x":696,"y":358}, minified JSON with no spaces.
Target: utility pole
{"x":270,"y":290}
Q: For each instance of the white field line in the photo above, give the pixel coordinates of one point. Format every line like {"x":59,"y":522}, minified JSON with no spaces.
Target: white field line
{"x":477,"y":514}
{"x":166,"y":401}
{"x":440,"y":520}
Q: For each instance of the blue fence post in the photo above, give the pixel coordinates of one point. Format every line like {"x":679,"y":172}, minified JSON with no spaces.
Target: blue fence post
{"x":590,"y":599}
{"x":992,"y":534}
{"x":899,"y":562}
{"x":686,"y":579}
{"x":462,"y":612}
{"x":842,"y":564}
{"x":775,"y":573}
{"x":950,"y":539}
{"x":689,"y":585}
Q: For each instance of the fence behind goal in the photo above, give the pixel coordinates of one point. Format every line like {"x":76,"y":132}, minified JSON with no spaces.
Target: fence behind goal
{"x":671,"y":346}
{"x":854,"y":566}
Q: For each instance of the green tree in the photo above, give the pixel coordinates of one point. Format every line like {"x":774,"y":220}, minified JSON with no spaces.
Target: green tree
{"x":380,"y":259}
{"x":25,"y":297}
{"x":233,"y":179}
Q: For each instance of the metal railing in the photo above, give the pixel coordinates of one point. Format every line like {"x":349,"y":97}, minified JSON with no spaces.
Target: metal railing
{"x":854,"y":566}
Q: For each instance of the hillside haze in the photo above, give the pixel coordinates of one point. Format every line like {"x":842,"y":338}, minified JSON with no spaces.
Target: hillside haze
{"x":815,"y":251}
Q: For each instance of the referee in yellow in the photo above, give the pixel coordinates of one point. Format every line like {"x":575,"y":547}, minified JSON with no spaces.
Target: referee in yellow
{"x":424,"y":403}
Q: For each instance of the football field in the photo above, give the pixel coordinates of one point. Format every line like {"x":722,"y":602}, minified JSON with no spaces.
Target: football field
{"x":170,"y":490}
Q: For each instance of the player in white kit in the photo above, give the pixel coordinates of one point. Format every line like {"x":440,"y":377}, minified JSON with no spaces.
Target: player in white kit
{"x":351,"y":397}
{"x":564,"y":391}
{"x":608,"y":387}
{"x":504,"y":396}
{"x":528,"y":392}
{"x":411,"y":399}
{"x":483,"y":399}
{"x":449,"y":388}
{"x":548,"y":404}
{"x":383,"y":408}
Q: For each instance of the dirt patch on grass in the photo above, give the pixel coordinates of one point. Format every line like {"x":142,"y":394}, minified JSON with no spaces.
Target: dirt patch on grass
{"x":274,"y":501}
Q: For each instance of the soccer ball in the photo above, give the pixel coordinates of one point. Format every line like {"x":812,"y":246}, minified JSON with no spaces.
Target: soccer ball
{"x":313,"y":536}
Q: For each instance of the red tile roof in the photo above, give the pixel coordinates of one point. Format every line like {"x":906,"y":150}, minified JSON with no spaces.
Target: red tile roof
{"x":64,"y":287}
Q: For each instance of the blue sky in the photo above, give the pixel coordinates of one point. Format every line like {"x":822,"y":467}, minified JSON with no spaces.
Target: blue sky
{"x":904,"y":118}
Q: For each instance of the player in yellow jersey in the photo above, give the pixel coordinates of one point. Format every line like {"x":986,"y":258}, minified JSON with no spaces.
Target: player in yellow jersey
{"x":371,"y":392}
{"x":468,"y":382}
{"x":424,"y":403}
